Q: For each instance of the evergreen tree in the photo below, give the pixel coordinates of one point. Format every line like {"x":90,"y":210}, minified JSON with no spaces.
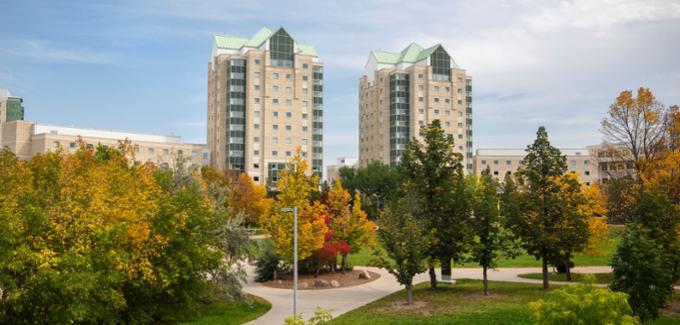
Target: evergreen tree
{"x":541,"y":207}
{"x":641,"y":272}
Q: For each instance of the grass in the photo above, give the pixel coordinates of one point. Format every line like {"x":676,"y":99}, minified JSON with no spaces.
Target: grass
{"x":364,"y":256}
{"x":235,"y":313}
{"x":604,"y":278}
{"x":462,"y":303}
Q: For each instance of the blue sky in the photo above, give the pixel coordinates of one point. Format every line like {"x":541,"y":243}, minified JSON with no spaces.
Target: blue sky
{"x":141,"y":65}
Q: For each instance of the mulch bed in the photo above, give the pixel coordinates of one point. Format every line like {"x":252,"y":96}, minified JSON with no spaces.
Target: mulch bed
{"x":347,"y":279}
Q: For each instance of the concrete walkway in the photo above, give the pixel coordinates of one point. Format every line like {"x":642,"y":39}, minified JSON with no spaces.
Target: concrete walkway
{"x":342,"y":300}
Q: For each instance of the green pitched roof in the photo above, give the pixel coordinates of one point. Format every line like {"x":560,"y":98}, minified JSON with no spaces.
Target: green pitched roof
{"x":411,"y":54}
{"x":237,"y":43}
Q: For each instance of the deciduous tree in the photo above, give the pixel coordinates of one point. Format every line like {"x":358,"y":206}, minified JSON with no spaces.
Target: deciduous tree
{"x":433,"y":172}
{"x":406,"y":243}
{"x":492,"y":237}
{"x":295,"y":188}
{"x":248,"y":198}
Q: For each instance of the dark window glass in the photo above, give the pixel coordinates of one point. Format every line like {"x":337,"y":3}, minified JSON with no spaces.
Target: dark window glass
{"x":281,"y":49}
{"x":441,"y":64}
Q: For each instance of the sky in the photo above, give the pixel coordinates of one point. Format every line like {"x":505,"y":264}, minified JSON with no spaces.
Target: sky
{"x":142,"y":65}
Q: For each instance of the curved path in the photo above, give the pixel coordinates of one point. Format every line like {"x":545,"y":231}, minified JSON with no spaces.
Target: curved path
{"x":342,"y":300}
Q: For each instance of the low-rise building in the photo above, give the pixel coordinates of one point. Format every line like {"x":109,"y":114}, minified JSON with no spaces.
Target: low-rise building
{"x":333,"y":171}
{"x":27,"y":139}
{"x":506,"y":161}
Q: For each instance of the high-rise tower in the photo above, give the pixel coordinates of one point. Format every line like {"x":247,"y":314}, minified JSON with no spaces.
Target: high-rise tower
{"x":403,"y":91}
{"x":265,"y":99}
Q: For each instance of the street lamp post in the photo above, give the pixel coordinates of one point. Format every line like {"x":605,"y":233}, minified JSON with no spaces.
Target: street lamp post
{"x":295,"y":255}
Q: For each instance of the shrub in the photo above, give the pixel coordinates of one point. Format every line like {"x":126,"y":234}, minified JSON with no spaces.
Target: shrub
{"x":640,"y":271}
{"x":582,"y":304}
{"x":268,"y":265}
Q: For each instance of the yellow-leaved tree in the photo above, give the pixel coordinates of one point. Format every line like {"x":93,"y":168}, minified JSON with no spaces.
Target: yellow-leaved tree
{"x":595,"y":208}
{"x":348,"y":224}
{"x":248,"y":198}
{"x":295,"y":188}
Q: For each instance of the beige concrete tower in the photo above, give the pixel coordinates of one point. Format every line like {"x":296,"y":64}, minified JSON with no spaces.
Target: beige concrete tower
{"x":401,"y":92}
{"x":265,"y":99}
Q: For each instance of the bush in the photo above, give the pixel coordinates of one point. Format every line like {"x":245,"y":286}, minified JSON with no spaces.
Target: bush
{"x":582,"y":304}
{"x":268,"y":265}
{"x":641,"y":272}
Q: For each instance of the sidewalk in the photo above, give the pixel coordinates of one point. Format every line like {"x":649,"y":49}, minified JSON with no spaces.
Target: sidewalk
{"x":342,"y":300}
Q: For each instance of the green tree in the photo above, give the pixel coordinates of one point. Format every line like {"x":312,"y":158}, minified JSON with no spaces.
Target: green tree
{"x":641,"y":272}
{"x":583,"y":304}
{"x":378,"y":184}
{"x":541,"y":204}
{"x":433,"y":172}
{"x":492,"y":237}
{"x":406,"y":243}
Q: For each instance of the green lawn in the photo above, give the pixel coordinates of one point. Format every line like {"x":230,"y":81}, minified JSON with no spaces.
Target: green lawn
{"x":576,"y":277}
{"x":364,"y":256}
{"x":462,"y":303}
{"x":236,"y":313}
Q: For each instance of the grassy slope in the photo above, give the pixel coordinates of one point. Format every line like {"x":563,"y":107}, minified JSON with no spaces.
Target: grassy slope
{"x":236,"y":313}
{"x":462,"y":303}
{"x":364,"y":256}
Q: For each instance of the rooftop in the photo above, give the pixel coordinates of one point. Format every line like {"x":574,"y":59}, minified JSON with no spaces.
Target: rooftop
{"x":411,"y":54}
{"x":238,"y":43}
{"x":519,"y":152}
{"x":104,"y":134}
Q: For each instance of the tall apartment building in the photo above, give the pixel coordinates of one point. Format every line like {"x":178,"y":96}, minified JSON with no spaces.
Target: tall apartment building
{"x":401,"y":92}
{"x":265,"y":100}
{"x":506,"y":161}
{"x":11,"y":108}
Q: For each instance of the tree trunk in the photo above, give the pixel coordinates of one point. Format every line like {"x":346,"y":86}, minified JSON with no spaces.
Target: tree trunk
{"x":275,"y":275}
{"x":567,"y":265}
{"x":486,"y":282}
{"x":433,"y":276}
{"x":544,"y":257}
{"x":319,"y":263}
{"x":409,"y":294}
{"x":343,"y":261}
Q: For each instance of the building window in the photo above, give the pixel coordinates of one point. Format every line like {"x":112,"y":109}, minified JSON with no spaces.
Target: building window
{"x":495,"y":162}
{"x":587,"y":172}
{"x":289,"y":128}
{"x":74,"y":145}
{"x":257,"y":87}
{"x":275,"y":114}
{"x":166,"y":152}
{"x":289,"y":76}
{"x":256,"y":166}
{"x":256,"y":178}
{"x":257,"y":74}
{"x":508,"y":162}
{"x":289,"y":90}
{"x":305,"y":78}
{"x":275,"y":153}
{"x":151,"y":151}
{"x":420,"y":76}
{"x":257,"y":61}
{"x":275,"y":88}
{"x":256,"y":152}
{"x":304,"y":129}
{"x":275,"y":100}
{"x":275,"y":75}
{"x":289,"y":114}
{"x":256,"y":114}
{"x":289,"y":102}
{"x":483,"y":162}
{"x":288,"y":154}
{"x":256,"y":126}
{"x":305,"y":66}
{"x":275,"y":140}
{"x":256,"y":139}
{"x":275,"y":126}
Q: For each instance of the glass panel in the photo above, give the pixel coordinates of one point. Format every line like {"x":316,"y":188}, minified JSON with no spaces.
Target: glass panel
{"x":281,"y":49}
